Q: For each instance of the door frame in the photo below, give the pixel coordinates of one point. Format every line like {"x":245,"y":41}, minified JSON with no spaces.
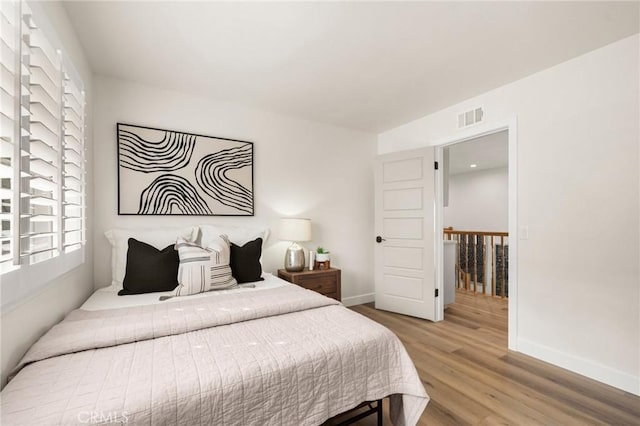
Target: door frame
{"x":511,"y":126}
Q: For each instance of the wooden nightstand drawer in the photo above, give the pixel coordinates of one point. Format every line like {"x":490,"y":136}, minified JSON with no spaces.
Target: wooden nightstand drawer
{"x":321,"y":284}
{"x":323,"y":281}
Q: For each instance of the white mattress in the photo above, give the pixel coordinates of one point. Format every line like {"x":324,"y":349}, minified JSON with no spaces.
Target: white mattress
{"x":107,"y":298}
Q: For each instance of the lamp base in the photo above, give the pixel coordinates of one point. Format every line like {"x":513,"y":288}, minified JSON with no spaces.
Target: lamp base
{"x":294,"y":258}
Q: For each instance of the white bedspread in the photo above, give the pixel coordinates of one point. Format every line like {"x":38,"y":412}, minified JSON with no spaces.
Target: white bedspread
{"x":279,"y":356}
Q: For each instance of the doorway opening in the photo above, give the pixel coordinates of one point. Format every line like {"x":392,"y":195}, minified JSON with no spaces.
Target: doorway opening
{"x":476,"y":222}
{"x":476,"y":216}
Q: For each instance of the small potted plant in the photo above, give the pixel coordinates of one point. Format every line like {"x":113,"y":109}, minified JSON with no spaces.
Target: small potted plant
{"x":322,"y":255}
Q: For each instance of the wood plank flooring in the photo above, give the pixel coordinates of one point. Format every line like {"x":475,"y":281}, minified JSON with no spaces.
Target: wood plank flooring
{"x":473,"y":379}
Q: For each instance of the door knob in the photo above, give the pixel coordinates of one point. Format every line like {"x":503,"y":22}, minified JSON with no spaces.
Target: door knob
{"x":379,"y":239}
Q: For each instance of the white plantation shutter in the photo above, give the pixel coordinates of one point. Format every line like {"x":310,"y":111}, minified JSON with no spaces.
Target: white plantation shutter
{"x":9,"y":129}
{"x":40,"y":218}
{"x":42,"y":158}
{"x":73,"y":166}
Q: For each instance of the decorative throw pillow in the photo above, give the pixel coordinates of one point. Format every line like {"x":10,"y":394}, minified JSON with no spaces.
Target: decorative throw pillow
{"x":149,"y":270}
{"x":156,"y":237}
{"x":245,"y":261}
{"x":204,"y":268}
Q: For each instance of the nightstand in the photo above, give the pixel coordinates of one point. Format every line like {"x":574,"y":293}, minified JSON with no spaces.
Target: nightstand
{"x":323,"y":281}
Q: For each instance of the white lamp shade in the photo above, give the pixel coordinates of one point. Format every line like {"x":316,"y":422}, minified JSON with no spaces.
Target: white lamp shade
{"x":293,"y":229}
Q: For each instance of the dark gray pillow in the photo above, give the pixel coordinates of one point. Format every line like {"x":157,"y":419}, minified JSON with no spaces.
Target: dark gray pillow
{"x":149,"y":270}
{"x":245,"y":261}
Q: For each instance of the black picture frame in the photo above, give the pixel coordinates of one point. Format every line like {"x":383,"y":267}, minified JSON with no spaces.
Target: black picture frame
{"x":165,"y":172}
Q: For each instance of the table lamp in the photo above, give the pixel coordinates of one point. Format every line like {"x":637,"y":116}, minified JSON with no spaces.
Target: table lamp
{"x":294,"y":230}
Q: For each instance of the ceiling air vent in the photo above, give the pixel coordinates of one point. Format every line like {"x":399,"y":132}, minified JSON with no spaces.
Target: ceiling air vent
{"x":471,"y":117}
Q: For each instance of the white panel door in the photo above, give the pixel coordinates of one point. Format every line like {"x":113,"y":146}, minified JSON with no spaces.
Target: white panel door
{"x":405,"y":276}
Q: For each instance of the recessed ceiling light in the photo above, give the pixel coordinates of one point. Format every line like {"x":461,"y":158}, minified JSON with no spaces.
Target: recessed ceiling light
{"x":473,"y":166}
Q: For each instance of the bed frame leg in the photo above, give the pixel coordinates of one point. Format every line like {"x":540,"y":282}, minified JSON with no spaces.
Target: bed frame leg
{"x":371,"y":409}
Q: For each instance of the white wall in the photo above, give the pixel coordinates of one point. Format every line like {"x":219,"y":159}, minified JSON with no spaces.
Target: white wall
{"x":578,"y":191}
{"x":301,"y":168}
{"x":479,"y":200}
{"x":24,"y":322}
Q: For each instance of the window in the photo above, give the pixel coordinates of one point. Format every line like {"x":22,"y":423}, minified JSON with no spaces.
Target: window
{"x":42,"y":158}
{"x":9,"y":133}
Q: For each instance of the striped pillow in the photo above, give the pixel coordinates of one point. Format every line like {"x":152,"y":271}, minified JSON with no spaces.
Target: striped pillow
{"x":204,"y":269}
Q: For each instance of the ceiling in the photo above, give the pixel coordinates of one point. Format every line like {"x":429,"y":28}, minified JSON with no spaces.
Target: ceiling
{"x":486,"y":152}
{"x":364,"y":65}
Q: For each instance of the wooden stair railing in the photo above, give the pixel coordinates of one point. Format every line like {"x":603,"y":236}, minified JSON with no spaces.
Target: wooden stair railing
{"x":472,"y":257}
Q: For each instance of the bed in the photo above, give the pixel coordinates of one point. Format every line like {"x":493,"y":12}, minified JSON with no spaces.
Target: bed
{"x":267,"y":353}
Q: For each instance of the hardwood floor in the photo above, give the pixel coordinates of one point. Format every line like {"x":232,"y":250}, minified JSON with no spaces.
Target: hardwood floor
{"x":473,"y":379}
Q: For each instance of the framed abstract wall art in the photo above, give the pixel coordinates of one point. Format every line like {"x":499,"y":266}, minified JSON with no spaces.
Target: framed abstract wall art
{"x":165,"y":172}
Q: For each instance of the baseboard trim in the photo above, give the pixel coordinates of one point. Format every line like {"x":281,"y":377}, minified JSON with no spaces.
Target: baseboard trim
{"x":602,"y":373}
{"x":358,"y":300}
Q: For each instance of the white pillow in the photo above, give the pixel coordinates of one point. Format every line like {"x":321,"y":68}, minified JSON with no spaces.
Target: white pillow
{"x":158,"y":238}
{"x":204,"y":269}
{"x":237,"y":235}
